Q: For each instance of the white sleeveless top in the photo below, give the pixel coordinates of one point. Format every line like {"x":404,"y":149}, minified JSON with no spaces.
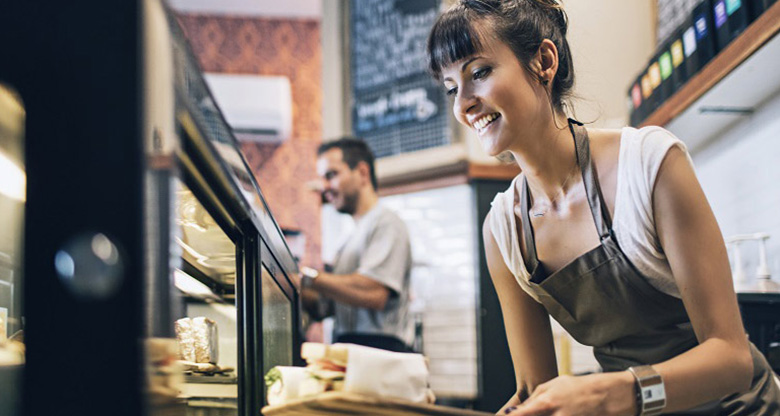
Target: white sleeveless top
{"x":641,"y":154}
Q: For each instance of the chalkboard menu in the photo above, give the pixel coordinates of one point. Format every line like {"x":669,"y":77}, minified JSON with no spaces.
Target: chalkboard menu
{"x":396,"y":105}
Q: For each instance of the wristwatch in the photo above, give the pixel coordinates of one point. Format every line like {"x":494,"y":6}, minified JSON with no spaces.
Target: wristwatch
{"x":650,"y":390}
{"x":308,"y":275}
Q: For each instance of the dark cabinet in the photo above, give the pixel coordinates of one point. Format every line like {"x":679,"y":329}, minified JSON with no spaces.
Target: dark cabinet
{"x":136,"y":209}
{"x":761,"y":316}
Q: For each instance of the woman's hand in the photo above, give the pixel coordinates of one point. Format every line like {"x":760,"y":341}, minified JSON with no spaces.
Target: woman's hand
{"x":595,"y":394}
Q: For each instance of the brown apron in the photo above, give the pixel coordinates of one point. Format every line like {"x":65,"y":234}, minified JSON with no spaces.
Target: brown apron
{"x":603,"y":301}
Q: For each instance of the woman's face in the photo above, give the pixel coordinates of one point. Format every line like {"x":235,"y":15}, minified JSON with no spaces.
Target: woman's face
{"x":495,"y":96}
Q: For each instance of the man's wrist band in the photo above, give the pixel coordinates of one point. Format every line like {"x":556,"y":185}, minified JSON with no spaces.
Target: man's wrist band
{"x":650,"y":390}
{"x":308,"y":275}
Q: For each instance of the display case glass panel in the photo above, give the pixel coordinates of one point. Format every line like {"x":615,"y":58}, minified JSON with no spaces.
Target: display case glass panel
{"x":207,"y":328}
{"x":277,"y":324}
{"x":12,"y":200}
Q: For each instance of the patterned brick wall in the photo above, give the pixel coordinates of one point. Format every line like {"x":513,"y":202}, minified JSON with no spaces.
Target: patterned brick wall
{"x":291,"y":48}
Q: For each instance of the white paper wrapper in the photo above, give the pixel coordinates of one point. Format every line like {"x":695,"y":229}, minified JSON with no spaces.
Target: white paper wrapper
{"x":186,"y":339}
{"x":288,"y":387}
{"x":204,"y":331}
{"x":386,"y":374}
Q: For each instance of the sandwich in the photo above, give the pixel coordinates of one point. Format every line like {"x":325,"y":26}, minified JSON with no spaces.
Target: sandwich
{"x":325,"y":371}
{"x":351,"y":368}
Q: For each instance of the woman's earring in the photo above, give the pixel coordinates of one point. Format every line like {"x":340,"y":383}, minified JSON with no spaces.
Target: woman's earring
{"x":545,"y":82}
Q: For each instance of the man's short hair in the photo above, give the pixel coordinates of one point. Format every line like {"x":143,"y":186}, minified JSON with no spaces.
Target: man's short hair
{"x":354,"y":150}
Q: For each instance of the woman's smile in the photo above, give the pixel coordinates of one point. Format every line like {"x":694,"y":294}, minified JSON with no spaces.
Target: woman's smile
{"x":485,"y":123}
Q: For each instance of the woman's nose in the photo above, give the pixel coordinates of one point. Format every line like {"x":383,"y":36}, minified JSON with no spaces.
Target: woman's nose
{"x":465,"y":101}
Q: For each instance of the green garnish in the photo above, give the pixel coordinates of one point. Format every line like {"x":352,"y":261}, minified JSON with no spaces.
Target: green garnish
{"x":272,"y":377}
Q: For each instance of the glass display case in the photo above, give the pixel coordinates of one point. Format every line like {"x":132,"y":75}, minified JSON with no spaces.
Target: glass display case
{"x":12,"y":197}
{"x":141,"y":271}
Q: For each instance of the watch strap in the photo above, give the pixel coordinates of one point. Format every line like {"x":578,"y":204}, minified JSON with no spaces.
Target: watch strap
{"x":308,"y":275}
{"x":650,"y":389}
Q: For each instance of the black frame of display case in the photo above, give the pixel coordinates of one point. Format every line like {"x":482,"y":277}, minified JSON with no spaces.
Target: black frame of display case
{"x":79,"y":69}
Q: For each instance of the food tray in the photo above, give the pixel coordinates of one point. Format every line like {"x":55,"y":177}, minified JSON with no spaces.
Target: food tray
{"x":341,"y":404}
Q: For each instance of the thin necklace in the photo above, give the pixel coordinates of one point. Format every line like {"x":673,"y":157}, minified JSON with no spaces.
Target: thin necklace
{"x":558,"y":195}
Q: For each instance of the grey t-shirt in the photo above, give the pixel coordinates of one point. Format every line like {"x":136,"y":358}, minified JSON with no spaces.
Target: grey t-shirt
{"x":379,"y":249}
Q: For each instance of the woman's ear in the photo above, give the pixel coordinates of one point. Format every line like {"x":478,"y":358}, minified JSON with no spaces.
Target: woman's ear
{"x":547,"y":61}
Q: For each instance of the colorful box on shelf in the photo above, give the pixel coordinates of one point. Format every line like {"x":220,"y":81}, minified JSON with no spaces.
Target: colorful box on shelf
{"x":731,"y":19}
{"x":711,"y":26}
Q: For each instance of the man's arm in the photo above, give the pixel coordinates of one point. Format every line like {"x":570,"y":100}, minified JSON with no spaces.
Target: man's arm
{"x":380,"y":274}
{"x":314,"y":304}
{"x":352,"y":289}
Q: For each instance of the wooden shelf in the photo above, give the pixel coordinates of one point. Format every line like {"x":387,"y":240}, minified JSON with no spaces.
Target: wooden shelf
{"x":738,"y":51}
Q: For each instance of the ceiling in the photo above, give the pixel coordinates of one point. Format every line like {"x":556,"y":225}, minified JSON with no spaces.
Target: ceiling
{"x":298,"y":9}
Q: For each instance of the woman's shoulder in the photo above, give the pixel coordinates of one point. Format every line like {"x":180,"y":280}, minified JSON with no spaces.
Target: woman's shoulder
{"x":643,"y":145}
{"x":501,"y":198}
{"x":649,"y":138}
{"x":605,"y":142}
{"x":645,"y":148}
{"x":502,"y":205}
{"x":615,"y":138}
{"x":605,"y":151}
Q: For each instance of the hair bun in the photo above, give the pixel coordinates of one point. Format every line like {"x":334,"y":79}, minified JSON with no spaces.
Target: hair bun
{"x":555,"y":9}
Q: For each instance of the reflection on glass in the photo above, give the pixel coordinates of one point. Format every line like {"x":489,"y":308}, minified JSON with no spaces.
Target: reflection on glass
{"x":204,"y":245}
{"x":12,"y":196}
{"x":190,"y":81}
{"x":207,"y":328}
{"x":277,"y":324}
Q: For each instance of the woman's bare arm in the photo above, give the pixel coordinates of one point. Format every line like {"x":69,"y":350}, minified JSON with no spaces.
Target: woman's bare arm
{"x":693,"y":243}
{"x":526,"y":322}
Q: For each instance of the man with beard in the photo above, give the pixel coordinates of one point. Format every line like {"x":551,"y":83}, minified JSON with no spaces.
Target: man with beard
{"x":368,"y":288}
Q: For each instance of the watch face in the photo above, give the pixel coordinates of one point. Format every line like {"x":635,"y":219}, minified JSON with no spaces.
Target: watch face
{"x":309,"y":272}
{"x":651,"y":390}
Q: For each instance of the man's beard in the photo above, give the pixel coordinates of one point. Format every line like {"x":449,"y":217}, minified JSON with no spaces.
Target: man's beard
{"x":350,"y":204}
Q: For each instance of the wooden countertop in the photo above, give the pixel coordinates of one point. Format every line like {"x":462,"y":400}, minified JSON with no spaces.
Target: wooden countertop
{"x":341,"y":403}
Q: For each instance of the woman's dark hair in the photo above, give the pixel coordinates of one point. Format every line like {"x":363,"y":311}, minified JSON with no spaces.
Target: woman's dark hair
{"x":521,"y":24}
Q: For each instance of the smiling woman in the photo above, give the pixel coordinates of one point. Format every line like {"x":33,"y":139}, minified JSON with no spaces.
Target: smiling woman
{"x":606,"y":231}
{"x":521,"y":28}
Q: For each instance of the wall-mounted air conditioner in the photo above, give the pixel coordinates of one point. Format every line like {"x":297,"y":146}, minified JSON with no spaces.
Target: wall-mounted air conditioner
{"x":257,"y":108}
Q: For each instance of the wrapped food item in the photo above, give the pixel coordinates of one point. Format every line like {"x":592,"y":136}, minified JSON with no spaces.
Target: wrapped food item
{"x":386,"y":374}
{"x":284,"y":384}
{"x":186,"y":339}
{"x":351,"y":368}
{"x":198,"y":340}
{"x":206,"y":341}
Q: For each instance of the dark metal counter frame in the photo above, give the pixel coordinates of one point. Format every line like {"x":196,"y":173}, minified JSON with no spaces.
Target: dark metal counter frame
{"x":79,"y":69}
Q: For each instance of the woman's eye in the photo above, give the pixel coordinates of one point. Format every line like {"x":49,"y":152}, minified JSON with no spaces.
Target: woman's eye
{"x":452,"y":91}
{"x":481,"y":73}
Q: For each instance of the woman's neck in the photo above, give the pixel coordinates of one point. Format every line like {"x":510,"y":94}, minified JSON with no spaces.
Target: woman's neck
{"x":549,"y":160}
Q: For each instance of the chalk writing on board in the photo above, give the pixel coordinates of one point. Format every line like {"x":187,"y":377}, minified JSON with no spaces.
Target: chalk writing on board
{"x":396,"y":105}
{"x":388,"y":41}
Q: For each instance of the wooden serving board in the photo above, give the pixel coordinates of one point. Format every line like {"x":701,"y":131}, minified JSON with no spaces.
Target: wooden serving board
{"x":343,"y":404}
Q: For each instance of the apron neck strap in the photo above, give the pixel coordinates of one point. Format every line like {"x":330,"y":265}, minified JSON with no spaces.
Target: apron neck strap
{"x":590,"y":179}
{"x":528,"y":232}
{"x":595,"y":199}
